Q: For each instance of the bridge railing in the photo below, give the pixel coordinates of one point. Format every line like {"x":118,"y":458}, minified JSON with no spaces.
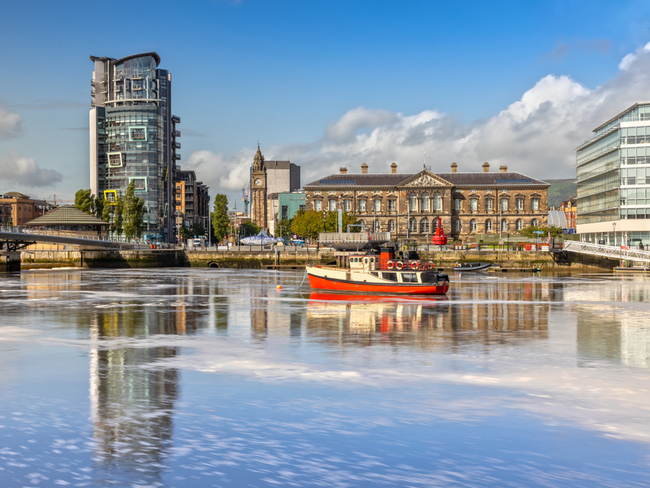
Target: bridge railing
{"x":86,"y":235}
{"x":612,"y":252}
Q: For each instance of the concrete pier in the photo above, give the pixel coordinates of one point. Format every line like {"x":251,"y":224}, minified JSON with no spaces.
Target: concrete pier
{"x":9,"y":261}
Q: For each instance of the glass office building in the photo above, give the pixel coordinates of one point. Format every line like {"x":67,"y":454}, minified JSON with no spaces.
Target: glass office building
{"x":613,"y":178}
{"x":133,"y":137}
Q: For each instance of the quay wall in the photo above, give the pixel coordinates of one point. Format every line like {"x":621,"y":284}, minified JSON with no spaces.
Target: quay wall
{"x":9,"y":261}
{"x":161,"y":258}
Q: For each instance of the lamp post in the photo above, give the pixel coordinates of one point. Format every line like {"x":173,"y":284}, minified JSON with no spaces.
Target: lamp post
{"x":614,"y":230}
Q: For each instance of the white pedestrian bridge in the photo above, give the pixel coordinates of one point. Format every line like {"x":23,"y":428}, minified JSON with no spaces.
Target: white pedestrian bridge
{"x":612,"y":252}
{"x":14,"y":238}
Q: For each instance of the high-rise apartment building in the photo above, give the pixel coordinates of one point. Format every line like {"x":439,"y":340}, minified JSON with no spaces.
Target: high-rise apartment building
{"x":133,"y":137}
{"x":192,"y":201}
{"x":613,"y":173}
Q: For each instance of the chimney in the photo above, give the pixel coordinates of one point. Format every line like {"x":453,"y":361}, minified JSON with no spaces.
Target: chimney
{"x":503,"y":169}
{"x":393,"y":167}
{"x":454,"y":167}
{"x":486,"y":167}
{"x":364,"y":169}
{"x":343,"y":170}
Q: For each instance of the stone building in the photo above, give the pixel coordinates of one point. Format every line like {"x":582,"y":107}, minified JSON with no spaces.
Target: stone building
{"x":408,"y":205}
{"x":22,"y":207}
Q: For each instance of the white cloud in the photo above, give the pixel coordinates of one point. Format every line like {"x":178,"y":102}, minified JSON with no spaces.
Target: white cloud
{"x":626,"y":62}
{"x":535,"y":135}
{"x":10,"y":124}
{"x":18,"y":169}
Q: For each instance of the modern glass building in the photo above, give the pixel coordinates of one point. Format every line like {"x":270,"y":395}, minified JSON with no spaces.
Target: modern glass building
{"x":133,"y":137}
{"x":613,"y":175}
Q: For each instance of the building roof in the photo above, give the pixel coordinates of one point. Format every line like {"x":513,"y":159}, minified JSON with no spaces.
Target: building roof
{"x":154,"y":55}
{"x":15,"y":194}
{"x":456,"y":179}
{"x":66,"y":215}
{"x":619,"y":115}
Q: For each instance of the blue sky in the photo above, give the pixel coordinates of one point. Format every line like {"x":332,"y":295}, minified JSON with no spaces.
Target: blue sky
{"x":326,"y":84}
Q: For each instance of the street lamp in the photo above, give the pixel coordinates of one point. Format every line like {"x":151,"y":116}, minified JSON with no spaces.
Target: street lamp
{"x":614,"y":229}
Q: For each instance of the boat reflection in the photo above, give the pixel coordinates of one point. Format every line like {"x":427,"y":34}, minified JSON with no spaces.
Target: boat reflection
{"x":434,"y":319}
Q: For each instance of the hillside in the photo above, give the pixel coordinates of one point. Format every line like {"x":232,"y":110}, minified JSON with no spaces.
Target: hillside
{"x":560,"y":190}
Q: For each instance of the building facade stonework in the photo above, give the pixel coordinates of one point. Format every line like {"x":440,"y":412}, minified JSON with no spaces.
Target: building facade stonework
{"x":409,"y":205}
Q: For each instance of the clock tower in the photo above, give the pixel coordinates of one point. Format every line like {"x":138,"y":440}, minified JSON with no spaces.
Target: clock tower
{"x":258,"y":191}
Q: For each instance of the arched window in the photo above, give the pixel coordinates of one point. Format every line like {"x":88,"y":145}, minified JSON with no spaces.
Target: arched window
{"x":520,"y":224}
{"x":424,"y":202}
{"x":332,"y":206}
{"x":362,"y":205}
{"x":413,"y":225}
{"x":424,"y":226}
{"x":472,"y":225}
{"x":377,"y":206}
{"x":459,"y":226}
{"x":391,"y":226}
{"x":377,"y":226}
{"x":413,"y":202}
{"x":504,"y":225}
{"x":534,"y":223}
{"x":488,"y":226}
{"x":363,"y":225}
{"x":317,"y":205}
{"x":437,"y":202}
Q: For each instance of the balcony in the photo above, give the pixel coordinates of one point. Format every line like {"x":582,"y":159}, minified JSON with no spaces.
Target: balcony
{"x":176,"y":119}
{"x":177,"y":145}
{"x":177,"y":156}
{"x":176,"y":133}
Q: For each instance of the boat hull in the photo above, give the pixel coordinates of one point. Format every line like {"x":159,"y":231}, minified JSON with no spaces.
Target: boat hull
{"x":332,"y":284}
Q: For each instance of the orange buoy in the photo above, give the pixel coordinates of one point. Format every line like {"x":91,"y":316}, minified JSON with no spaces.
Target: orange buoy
{"x":279,"y":287}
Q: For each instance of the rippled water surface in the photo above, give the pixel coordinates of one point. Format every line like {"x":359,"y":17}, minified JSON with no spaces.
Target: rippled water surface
{"x":203,"y":377}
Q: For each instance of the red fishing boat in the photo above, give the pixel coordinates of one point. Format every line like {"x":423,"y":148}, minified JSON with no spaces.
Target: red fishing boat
{"x":380,"y":273}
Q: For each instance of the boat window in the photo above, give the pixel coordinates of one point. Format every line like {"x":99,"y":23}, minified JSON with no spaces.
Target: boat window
{"x":409,"y":278}
{"x":389,"y":276}
{"x":374,"y":273}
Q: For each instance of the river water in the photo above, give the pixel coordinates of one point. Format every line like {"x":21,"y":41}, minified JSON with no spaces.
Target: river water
{"x":204,"y":377}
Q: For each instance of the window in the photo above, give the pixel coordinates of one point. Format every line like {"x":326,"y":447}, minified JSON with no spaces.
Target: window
{"x":488,"y":205}
{"x":520,"y":204}
{"x":303,"y":208}
{"x":473,"y":205}
{"x":458,"y":204}
{"x":534,"y":223}
{"x":391,"y":205}
{"x":409,"y":278}
{"x":377,"y":226}
{"x":413,"y":202}
{"x":413,"y":225}
{"x":504,"y":225}
{"x":459,"y":226}
{"x":424,"y":202}
{"x":348,"y":205}
{"x":317,"y":206}
{"x":488,"y":226}
{"x":520,"y":224}
{"x":535,"y":204}
{"x":424,"y":226}
{"x":377,"y":204}
{"x":389,"y":276}
{"x":362,"y":205}
{"x":472,"y":225}
{"x":437,"y":202}
{"x":504,"y":204}
{"x":391,"y":226}
{"x":332,"y":205}
{"x":285,"y":212}
{"x":363,"y":225}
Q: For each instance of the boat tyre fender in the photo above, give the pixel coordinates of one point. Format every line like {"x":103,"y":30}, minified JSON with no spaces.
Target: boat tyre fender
{"x":431,"y":265}
{"x":399,"y":265}
{"x":390,"y":264}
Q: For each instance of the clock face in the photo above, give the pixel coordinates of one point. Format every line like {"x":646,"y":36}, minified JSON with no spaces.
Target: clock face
{"x":258,"y":181}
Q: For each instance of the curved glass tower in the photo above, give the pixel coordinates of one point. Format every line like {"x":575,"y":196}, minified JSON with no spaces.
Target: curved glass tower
{"x":133,"y":136}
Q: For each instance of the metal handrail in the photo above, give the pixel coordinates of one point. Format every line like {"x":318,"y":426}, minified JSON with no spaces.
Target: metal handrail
{"x":612,"y":252}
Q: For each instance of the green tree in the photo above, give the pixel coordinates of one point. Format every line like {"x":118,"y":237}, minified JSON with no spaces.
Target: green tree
{"x":249,"y":229}
{"x":307,"y":224}
{"x":197,"y":229}
{"x":118,"y":217}
{"x":530,"y":231}
{"x":332,"y":222}
{"x":108,"y":212}
{"x":84,"y":201}
{"x":283,"y":228}
{"x":98,"y":207}
{"x":133,"y":213}
{"x":219,"y":216}
{"x":185,"y":232}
